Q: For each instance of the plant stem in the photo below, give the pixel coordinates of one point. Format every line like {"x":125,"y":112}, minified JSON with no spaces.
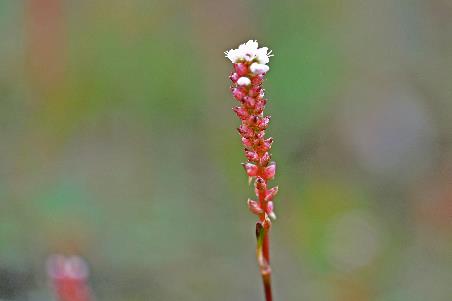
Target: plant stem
{"x":263,"y":258}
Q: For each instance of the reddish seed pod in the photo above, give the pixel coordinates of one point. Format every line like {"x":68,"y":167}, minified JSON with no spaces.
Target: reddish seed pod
{"x":254,"y":207}
{"x":269,"y":171}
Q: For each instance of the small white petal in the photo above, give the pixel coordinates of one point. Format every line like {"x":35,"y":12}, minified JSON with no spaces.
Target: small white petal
{"x":259,"y":68}
{"x":263,"y":55}
{"x":243,"y":81}
{"x":233,"y":55}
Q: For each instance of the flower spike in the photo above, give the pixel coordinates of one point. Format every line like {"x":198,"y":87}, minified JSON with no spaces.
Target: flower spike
{"x":250,"y":68}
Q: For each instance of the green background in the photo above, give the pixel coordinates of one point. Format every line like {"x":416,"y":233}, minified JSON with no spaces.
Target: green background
{"x":118,"y":144}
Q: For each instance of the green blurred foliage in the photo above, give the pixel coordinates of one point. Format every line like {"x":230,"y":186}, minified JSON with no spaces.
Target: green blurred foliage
{"x":117,"y":143}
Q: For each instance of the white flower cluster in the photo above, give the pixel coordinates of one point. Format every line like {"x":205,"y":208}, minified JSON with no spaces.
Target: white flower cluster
{"x":249,"y":52}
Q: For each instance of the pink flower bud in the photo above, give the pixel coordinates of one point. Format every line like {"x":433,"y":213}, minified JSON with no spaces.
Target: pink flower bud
{"x":241,"y":112}
{"x":267,"y":144}
{"x":241,"y":69}
{"x":245,"y":131}
{"x":255,"y":91}
{"x":263,"y":123}
{"x":271,"y":193}
{"x":265,"y":159}
{"x":257,"y":80}
{"x":254,"y":207}
{"x":269,"y":171}
{"x":238,"y":94}
{"x":234,"y":77}
{"x":249,"y":101}
{"x":269,"y":207}
{"x":251,"y":169}
{"x":252,"y":156}
{"x":247,"y":142}
{"x":271,"y":213}
{"x":260,"y":134}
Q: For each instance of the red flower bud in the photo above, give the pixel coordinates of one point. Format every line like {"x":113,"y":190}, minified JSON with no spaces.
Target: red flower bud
{"x":251,"y":169}
{"x":269,"y":171}
{"x":271,"y":193}
{"x":254,"y":207}
{"x":241,"y":69}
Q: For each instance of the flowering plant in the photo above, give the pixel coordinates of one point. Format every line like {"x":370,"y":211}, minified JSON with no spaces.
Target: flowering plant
{"x":250,"y":67}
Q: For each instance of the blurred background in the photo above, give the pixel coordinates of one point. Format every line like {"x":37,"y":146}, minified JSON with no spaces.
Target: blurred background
{"x":118,"y":150}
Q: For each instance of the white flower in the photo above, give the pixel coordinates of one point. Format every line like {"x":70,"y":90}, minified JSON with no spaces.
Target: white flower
{"x":243,"y":81}
{"x":257,"y":68}
{"x":263,"y":55}
{"x":249,"y":52}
